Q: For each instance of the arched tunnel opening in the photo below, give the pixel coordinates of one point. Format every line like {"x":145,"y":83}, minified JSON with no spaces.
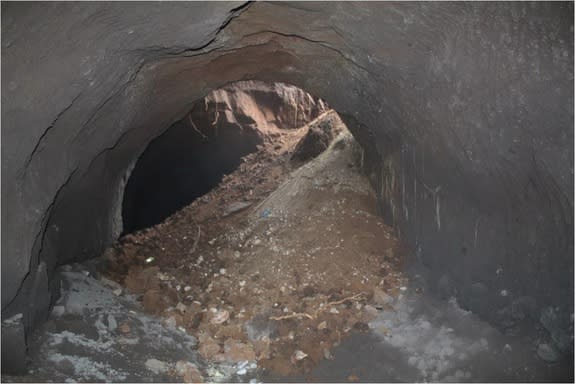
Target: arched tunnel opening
{"x":176,"y":206}
{"x":177,"y":167}
{"x":190,"y":158}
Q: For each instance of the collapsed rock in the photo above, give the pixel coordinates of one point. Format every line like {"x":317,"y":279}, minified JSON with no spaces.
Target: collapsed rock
{"x":319,"y":136}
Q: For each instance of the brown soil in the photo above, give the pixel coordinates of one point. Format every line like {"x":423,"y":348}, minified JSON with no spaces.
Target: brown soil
{"x":277,"y":264}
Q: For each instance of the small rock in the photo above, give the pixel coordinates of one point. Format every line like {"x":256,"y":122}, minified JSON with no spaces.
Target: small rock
{"x":156,"y":366}
{"x":58,"y":310}
{"x":322,"y":325}
{"x":237,"y":351}
{"x":187,"y":288}
{"x":299,"y":355}
{"x":124,"y":328}
{"x":380,"y":297}
{"x":547,"y":353}
{"x":236,"y":207}
{"x":117,"y":292}
{"x":181,"y":307}
{"x":112,"y":323}
{"x":16,"y":319}
{"x":170,"y":322}
{"x":333,"y":310}
{"x":222,"y":271}
{"x":189,"y":372}
{"x":370,"y":310}
{"x":219,"y":317}
{"x":327,"y":354}
{"x":208,"y":347}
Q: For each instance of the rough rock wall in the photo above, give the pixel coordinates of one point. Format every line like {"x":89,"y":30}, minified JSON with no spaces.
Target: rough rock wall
{"x":258,"y":105}
{"x":465,"y":111}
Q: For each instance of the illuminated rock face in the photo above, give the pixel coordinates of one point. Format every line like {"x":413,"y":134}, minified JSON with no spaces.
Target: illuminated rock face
{"x":465,"y":111}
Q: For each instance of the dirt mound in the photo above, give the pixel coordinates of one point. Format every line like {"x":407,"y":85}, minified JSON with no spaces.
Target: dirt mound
{"x":274,"y":265}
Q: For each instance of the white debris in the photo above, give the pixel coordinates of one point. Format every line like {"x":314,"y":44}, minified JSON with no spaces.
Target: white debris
{"x":58,"y":310}
{"x":112,"y":323}
{"x":89,"y":370}
{"x":14,"y":319}
{"x":156,"y":366}
{"x":149,"y":260}
{"x":220,"y":316}
{"x":299,"y":355}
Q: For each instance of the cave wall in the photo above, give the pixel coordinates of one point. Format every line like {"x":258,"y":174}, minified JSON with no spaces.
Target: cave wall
{"x":465,"y":111}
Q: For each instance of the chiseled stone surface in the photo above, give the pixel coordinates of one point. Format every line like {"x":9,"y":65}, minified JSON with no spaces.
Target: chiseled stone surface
{"x":465,"y":111}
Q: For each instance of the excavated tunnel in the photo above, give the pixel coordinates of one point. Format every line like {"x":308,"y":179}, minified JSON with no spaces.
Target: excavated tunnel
{"x":464,"y":112}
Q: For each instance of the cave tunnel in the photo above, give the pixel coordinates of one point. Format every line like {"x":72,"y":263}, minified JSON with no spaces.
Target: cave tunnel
{"x":176,"y":168}
{"x":190,"y":158}
{"x":463,"y":111}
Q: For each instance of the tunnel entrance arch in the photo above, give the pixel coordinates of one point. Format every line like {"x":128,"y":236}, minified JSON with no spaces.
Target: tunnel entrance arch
{"x":191,"y":156}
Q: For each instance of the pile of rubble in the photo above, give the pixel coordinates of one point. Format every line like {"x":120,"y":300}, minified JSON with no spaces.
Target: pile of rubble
{"x":274,"y":267}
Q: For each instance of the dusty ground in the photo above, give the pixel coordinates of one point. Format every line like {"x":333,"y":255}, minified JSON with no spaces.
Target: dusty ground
{"x":303,"y":282}
{"x":277,"y":264}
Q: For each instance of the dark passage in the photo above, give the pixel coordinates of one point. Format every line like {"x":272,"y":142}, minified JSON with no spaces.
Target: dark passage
{"x":180,"y":165}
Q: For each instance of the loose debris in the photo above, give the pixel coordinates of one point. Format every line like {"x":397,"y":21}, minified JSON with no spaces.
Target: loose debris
{"x":275,"y":266}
